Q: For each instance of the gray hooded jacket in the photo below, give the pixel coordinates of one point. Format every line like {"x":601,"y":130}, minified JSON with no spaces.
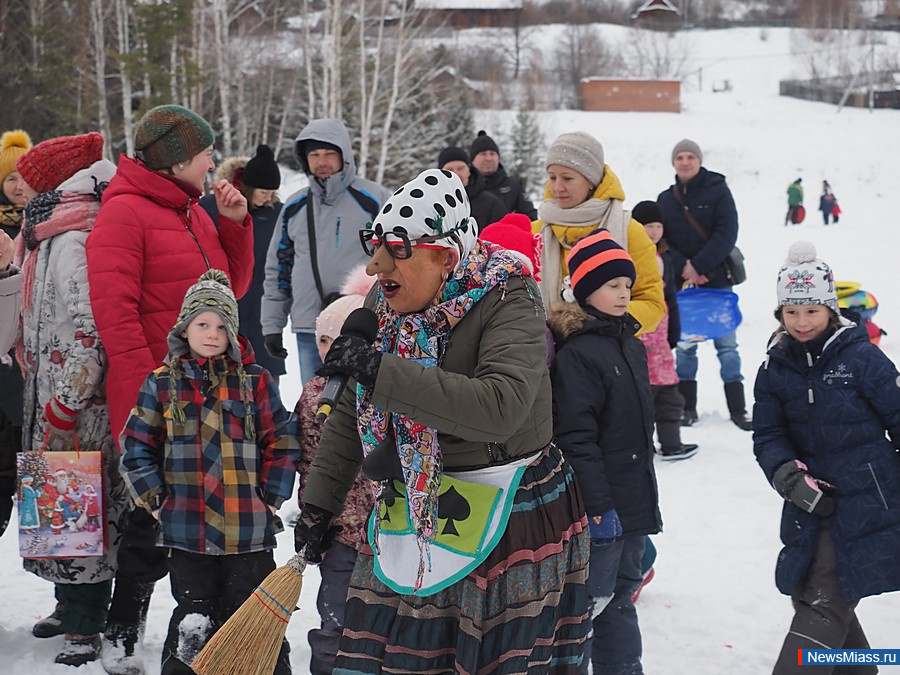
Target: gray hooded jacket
{"x":342,"y":206}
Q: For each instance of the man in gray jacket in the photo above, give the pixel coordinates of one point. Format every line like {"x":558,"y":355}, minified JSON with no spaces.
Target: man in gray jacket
{"x":303,"y":271}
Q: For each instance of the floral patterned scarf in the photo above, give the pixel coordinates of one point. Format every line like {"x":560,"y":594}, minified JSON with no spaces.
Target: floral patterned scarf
{"x":422,"y":337}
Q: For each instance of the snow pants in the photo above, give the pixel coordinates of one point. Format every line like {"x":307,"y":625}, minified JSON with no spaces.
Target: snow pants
{"x":823,"y":619}
{"x":668,"y":409}
{"x":336,"y":569}
{"x":208,"y":590}
{"x":614,"y":645}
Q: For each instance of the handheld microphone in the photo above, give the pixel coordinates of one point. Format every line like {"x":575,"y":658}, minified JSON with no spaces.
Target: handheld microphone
{"x":363,"y":323}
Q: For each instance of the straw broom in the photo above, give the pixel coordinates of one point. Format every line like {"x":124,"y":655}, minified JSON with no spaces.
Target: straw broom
{"x":249,"y":642}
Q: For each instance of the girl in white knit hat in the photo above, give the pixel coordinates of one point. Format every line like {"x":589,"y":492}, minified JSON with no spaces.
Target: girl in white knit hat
{"x":825,"y":396}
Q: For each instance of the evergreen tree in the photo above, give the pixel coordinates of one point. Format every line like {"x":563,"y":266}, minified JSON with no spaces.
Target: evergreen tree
{"x":527,"y":152}
{"x":459,"y":123}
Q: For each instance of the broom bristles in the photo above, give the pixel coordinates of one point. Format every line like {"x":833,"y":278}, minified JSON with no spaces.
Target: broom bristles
{"x":249,"y":642}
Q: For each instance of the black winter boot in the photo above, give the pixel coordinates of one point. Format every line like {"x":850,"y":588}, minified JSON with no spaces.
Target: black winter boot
{"x":49,"y":626}
{"x":125,"y":626}
{"x":669,"y":453}
{"x":734,"y":395}
{"x":688,"y":389}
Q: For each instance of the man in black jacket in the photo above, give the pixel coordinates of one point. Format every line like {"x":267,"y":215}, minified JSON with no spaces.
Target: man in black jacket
{"x":510,"y":189}
{"x":698,"y":253}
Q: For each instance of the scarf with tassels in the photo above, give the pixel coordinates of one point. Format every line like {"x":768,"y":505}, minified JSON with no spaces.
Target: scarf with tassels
{"x":422,"y":337}
{"x":47,"y":215}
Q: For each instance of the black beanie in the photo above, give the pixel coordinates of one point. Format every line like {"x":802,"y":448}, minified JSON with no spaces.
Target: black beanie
{"x":312,"y":144}
{"x":481,"y":143}
{"x":262,"y":170}
{"x":647,"y":212}
{"x":452,"y":154}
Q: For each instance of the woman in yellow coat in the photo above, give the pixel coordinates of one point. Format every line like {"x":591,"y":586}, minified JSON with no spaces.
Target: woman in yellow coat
{"x":582,"y":194}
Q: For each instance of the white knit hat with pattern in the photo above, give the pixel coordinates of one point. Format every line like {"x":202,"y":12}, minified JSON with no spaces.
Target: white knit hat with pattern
{"x":805,"y":279}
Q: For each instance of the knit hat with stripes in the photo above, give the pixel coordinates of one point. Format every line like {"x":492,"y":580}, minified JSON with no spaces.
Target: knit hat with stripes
{"x":170,"y":134}
{"x":595,"y":259}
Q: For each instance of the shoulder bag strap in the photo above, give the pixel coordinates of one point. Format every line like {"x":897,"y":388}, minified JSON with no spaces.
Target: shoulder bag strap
{"x":689,"y":215}
{"x":311,"y":227}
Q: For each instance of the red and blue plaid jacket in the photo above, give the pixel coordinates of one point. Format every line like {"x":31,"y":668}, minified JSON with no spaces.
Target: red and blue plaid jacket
{"x":214,"y":483}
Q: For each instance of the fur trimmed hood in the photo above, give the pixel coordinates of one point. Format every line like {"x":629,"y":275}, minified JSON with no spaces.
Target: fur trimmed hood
{"x":229,"y":167}
{"x":232,"y":166}
{"x":566,"y":318}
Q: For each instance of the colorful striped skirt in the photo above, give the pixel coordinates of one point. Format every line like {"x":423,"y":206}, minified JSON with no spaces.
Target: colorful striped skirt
{"x":523,"y":610}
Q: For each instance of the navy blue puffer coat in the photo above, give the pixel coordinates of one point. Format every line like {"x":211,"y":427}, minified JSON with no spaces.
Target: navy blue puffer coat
{"x":709,"y":200}
{"x":832,"y":413}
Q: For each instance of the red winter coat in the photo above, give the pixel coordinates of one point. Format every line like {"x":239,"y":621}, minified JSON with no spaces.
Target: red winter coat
{"x":146,"y":249}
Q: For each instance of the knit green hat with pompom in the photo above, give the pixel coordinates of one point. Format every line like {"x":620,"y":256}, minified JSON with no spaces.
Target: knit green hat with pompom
{"x":212,"y":292}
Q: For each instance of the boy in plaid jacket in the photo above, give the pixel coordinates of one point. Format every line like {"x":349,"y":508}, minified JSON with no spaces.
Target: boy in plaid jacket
{"x":210,"y":450}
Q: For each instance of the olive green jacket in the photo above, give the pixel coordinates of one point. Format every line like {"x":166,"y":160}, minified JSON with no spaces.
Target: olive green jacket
{"x":489,"y":399}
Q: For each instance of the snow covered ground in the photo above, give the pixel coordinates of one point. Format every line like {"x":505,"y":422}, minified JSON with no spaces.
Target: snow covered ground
{"x":713,"y":607}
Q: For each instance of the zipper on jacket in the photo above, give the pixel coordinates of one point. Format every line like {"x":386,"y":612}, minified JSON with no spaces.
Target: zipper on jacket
{"x":809,"y":389}
{"x":337,"y":234}
{"x":878,"y":486}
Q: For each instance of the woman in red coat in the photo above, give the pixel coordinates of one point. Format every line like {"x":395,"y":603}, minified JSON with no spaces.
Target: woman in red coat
{"x":150,"y":243}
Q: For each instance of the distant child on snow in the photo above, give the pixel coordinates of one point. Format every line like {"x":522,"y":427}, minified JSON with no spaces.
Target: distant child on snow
{"x":795,"y":212}
{"x":211,"y":451}
{"x":827,"y":202}
{"x":603,"y":423}
{"x":825,"y":396}
{"x":668,"y":403}
{"x":337,"y":564}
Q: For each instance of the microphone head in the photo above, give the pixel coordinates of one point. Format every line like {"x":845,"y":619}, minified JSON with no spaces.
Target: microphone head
{"x":361,"y":322}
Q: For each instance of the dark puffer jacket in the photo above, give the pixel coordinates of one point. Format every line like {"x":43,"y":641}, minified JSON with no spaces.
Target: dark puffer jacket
{"x":832,"y":413}
{"x":511,"y":192}
{"x":603,"y":414}
{"x":709,"y":200}
{"x":486,"y":207}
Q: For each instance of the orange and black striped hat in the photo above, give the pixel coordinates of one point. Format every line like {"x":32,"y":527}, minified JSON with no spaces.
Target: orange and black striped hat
{"x":595,"y":259}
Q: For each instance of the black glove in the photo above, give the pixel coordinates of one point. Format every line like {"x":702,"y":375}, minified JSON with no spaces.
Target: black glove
{"x":352,"y":355}
{"x":275,"y":346}
{"x":314,"y":531}
{"x":793,"y":482}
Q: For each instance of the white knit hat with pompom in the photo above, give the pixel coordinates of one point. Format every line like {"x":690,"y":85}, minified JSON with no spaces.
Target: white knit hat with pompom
{"x":805,"y":279}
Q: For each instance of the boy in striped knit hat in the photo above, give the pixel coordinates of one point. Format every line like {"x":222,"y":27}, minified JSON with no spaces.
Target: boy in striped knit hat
{"x":603,"y":423}
{"x":210,"y":451}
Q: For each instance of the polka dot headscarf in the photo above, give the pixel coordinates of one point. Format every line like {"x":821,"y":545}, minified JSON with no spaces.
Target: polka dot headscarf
{"x":434,"y":202}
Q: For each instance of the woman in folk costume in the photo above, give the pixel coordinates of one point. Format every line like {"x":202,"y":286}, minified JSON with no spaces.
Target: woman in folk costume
{"x":583,"y":194}
{"x":476,"y":554}
{"x":65,"y":364}
{"x":13,"y":144}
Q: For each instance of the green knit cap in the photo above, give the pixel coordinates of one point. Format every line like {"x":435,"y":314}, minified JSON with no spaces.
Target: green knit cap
{"x":170,"y":134}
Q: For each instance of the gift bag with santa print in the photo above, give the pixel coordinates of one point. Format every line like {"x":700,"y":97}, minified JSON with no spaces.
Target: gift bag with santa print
{"x":61,"y":504}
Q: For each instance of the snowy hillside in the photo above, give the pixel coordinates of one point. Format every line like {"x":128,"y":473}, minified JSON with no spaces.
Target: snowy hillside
{"x":713,"y":607}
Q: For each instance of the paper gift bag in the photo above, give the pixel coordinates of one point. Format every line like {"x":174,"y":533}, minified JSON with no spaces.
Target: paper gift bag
{"x":61,"y":504}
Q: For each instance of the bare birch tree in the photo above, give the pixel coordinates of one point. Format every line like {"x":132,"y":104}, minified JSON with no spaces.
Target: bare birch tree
{"x":98,"y":47}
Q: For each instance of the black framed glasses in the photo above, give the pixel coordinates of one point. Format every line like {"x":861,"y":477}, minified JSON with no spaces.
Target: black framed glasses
{"x":399,"y":245}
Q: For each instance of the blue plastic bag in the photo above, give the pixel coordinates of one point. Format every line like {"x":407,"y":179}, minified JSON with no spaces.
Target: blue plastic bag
{"x":707,"y":313}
